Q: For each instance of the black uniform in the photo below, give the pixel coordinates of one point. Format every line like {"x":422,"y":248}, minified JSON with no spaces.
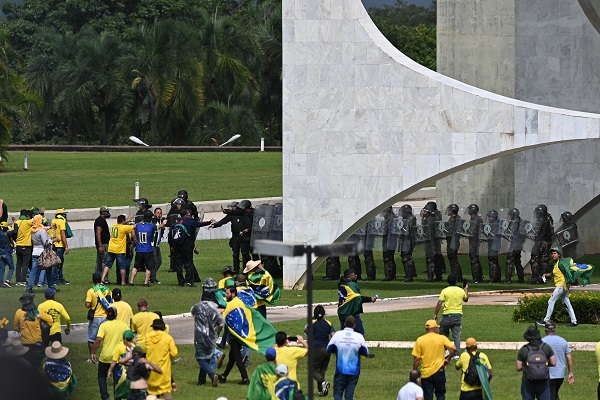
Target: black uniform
{"x":476,"y":270}
{"x":452,"y":245}
{"x":540,"y":253}
{"x":235,"y":218}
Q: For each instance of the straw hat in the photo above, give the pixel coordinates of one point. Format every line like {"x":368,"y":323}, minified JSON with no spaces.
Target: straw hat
{"x":250,"y":265}
{"x":56,"y":351}
{"x":17,"y":349}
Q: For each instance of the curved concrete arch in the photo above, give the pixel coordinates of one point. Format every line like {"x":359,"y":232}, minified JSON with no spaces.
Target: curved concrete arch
{"x":364,"y":125}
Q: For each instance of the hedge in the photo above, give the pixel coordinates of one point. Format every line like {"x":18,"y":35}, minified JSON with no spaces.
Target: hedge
{"x":533,"y":307}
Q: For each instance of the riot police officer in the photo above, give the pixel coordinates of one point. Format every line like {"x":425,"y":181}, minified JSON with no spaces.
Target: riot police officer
{"x":440,"y":263}
{"x":354,"y":261}
{"x":476,"y":270}
{"x":493,"y":240}
{"x":389,"y":264}
{"x":569,"y":230}
{"x":233,"y":215}
{"x":428,"y":219}
{"x":453,"y":242}
{"x":405,"y":244}
{"x":247,"y":213}
{"x":188,"y":205}
{"x":333,"y":269}
{"x":540,"y":253}
{"x":143,"y":206}
{"x":513,"y":256}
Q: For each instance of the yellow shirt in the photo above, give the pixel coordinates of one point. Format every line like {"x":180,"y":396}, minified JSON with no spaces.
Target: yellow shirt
{"x":56,"y":310}
{"x":118,"y":238}
{"x":463,"y":363}
{"x":160,"y":350}
{"x":61,"y":225}
{"x":598,"y":358}
{"x":124,"y":312}
{"x":453,"y":297}
{"x":111,"y":333}
{"x":140,"y":325}
{"x":430,"y":349}
{"x":559,"y":278}
{"x":290,"y":356}
{"x":91,"y":297}
{"x":121,"y":351}
{"x":31,"y":332}
{"x":24,"y":232}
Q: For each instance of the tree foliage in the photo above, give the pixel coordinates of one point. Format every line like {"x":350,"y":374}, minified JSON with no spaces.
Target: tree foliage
{"x":405,"y":14}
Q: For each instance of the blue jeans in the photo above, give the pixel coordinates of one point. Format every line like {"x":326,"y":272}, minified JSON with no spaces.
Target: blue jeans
{"x":435,"y":383}
{"x":344,"y":383}
{"x":6,"y":259}
{"x":34,"y":272}
{"x":58,"y":270}
{"x":205,"y":369}
{"x":557,"y":294}
{"x":215,"y":358}
{"x":121,"y":261}
{"x":535,"y":390}
{"x":359,"y":327}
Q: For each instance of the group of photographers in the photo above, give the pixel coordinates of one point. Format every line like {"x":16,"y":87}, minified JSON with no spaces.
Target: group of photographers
{"x":501,"y":232}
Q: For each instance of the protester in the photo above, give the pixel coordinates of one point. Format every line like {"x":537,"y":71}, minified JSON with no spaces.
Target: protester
{"x":97,"y":299}
{"x":564,"y":360}
{"x":262,"y":382}
{"x":350,"y":302}
{"x":7,"y":243}
{"x":23,"y":246}
{"x":235,"y":356}
{"x":535,"y":385}
{"x":160,"y":350}
{"x":56,"y":311}
{"x":58,"y":371}
{"x":39,"y":240}
{"x":27,"y":323}
{"x":597,"y":352}
{"x":412,"y":390}
{"x":144,"y":256}
{"x":121,"y":359}
{"x":285,"y":387}
{"x":322,"y":332}
{"x":141,"y":323}
{"x":124,"y":311}
{"x":289,"y":355}
{"x":452,"y":298}
{"x":429,"y":352}
{"x":117,"y":248}
{"x":265,"y":288}
{"x":160,"y":222}
{"x":349,"y":346}
{"x":139,"y":372}
{"x":101,"y":237}
{"x":471,"y":390}
{"x":61,"y":232}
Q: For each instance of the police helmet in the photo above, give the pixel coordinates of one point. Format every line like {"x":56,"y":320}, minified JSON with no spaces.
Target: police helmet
{"x":567,"y":217}
{"x":514,"y":213}
{"x":142,"y":201}
{"x":431,"y":205}
{"x":452,"y":209}
{"x":472,"y":209}
{"x":178,"y":201}
{"x":182,"y":194}
{"x":406,"y":210}
{"x":244,"y":204}
{"x":492,"y":215}
{"x":540,"y":210}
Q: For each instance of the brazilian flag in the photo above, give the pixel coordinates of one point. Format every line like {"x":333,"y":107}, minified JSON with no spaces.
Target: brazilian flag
{"x":220,"y":292}
{"x":248,"y":326}
{"x":573,"y":271}
{"x":122,"y":383}
{"x":350,"y":301}
{"x":264,"y":286}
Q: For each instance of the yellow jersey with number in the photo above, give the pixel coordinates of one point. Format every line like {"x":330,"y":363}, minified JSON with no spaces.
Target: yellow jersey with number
{"x":118,"y":238}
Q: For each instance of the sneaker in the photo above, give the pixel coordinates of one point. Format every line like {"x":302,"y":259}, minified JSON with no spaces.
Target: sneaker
{"x":130,"y":284}
{"x":89,"y":360}
{"x":572,"y":325}
{"x":540,"y":322}
{"x":65,"y":282}
{"x":221,"y":379}
{"x":325,"y":388}
{"x":106,"y":282}
{"x":190,"y":285}
{"x":39,"y":285}
{"x":456,"y":358}
{"x":7,"y":284}
{"x":146,"y":285}
{"x":215,"y":380}
{"x":244,"y":382}
{"x":320,"y":394}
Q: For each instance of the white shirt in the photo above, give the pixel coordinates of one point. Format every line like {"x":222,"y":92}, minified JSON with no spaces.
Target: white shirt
{"x":410,"y":391}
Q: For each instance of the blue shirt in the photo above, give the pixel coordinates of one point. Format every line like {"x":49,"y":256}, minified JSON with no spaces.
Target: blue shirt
{"x":348,"y":346}
{"x":321,"y":333}
{"x":561,"y":349}
{"x":144,"y":232}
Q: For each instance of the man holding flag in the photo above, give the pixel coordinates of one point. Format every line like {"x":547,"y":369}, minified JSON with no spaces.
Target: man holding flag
{"x":247,"y":327}
{"x":350,"y":301}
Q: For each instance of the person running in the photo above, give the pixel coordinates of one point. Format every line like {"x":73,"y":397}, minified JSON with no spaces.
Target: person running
{"x":451,"y":298}
{"x":322,"y":332}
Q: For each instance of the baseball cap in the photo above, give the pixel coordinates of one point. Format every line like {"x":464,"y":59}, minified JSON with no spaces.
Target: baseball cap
{"x":270,"y":354}
{"x":282,"y":370}
{"x":556,"y":249}
{"x":227,"y":269}
{"x":128,"y":335}
{"x":550,"y":326}
{"x":471,"y":342}
{"x":431,"y":324}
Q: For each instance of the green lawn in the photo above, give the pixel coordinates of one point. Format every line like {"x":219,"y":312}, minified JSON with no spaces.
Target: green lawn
{"x":381,"y":377}
{"x":82,"y":180}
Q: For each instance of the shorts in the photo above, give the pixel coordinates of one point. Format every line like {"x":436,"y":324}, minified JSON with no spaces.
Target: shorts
{"x":93,"y":327}
{"x":143,"y":260}
{"x":121,"y":261}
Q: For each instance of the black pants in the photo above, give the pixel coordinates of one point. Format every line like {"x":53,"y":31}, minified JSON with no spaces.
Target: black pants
{"x":234,"y":243}
{"x":23,"y":261}
{"x":555,"y":385}
{"x":435,"y":383}
{"x":471,"y":395}
{"x":320,"y":363}
{"x":102,"y":375}
{"x":235,"y":357}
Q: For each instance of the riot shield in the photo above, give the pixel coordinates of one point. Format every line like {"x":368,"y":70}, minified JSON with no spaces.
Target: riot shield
{"x":276,"y":231}
{"x":261,"y":223}
{"x":422,"y":234}
{"x":465,"y":227}
{"x":567,"y":237}
{"x":404,"y":230}
{"x":394,"y":228}
{"x":528,"y":230}
{"x":443,"y":229}
{"x":489,"y":232}
{"x":376,"y":229}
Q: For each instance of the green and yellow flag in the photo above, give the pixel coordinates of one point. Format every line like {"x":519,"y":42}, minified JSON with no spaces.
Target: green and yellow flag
{"x":249,"y":326}
{"x":573,"y":271}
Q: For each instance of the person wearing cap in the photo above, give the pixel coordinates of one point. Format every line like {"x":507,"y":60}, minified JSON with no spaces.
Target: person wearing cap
{"x":117,"y":248}
{"x":429,"y":352}
{"x":94,"y":300}
{"x":124,"y":310}
{"x":121,"y":359}
{"x":110,"y":335}
{"x":262,"y":381}
{"x":539,"y":388}
{"x":350,"y":301}
{"x":564,"y":361}
{"x":101,"y":237}
{"x":39,"y":240}
{"x":144,"y":231}
{"x":412,"y":390}
{"x":349,"y":346}
{"x":160,"y":350}
{"x":56,"y":311}
{"x":208,"y":323}
{"x":561,"y":289}
{"x":61,"y":233}
{"x":23,"y":247}
{"x":7,"y":240}
{"x":474,"y":392}
{"x":264,"y":286}
{"x":233,"y":215}
{"x":451,"y":298}
{"x":57,"y":370}
{"x":285,"y":387}
{"x":141,"y":323}
{"x":27,"y":323}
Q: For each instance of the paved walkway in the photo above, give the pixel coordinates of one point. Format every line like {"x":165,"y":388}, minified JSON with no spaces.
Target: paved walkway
{"x":181,"y":326}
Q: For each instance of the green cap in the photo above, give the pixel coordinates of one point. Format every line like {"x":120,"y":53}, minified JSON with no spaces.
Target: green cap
{"x":556,"y":249}
{"x":128,"y":335}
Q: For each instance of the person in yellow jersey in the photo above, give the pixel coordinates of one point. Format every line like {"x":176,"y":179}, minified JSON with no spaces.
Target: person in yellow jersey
{"x":467,"y":391}
{"x":141,"y":323}
{"x":429,"y":352}
{"x":97,"y":300}
{"x":117,"y":247}
{"x":56,"y":311}
{"x":110,"y":336}
{"x":598,"y":361}
{"x":160,"y":350}
{"x":289,"y":355}
{"x":124,"y":310}
{"x":27,"y":323}
{"x":59,"y":223}
{"x":121,"y":360}
{"x":23,"y":246}
{"x":451,"y":298}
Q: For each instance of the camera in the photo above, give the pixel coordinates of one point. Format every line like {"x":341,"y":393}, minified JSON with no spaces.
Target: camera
{"x":292,"y":339}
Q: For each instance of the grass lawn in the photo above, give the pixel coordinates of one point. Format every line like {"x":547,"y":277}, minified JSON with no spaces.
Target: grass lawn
{"x":94,"y":179}
{"x":381,"y":377}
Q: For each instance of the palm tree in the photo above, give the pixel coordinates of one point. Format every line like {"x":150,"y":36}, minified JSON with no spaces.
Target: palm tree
{"x":227,"y":120}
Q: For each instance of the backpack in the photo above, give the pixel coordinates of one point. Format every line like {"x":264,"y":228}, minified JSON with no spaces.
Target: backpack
{"x":178,"y":233}
{"x":471,"y":375}
{"x":536,"y":366}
